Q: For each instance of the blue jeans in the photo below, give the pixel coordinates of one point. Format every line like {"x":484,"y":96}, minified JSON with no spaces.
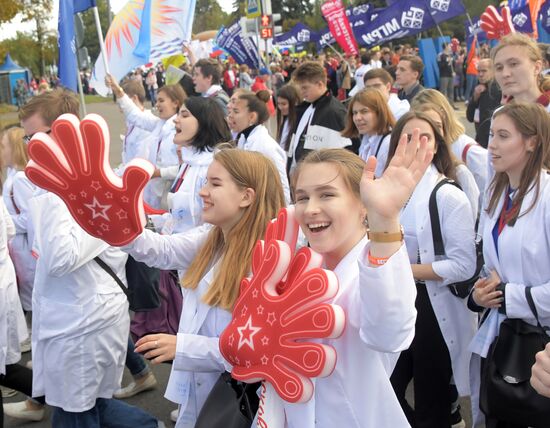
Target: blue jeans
{"x":135,"y":362}
{"x":470,"y":84}
{"x":107,"y":413}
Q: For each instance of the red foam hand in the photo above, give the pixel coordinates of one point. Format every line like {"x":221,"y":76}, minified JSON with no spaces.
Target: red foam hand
{"x":495,"y":24}
{"x":283,"y":228}
{"x":73,"y":163}
{"x":267,"y":338}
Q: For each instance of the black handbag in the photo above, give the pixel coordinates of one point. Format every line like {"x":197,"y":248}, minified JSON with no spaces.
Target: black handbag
{"x":230,"y":404}
{"x":143,"y":284}
{"x":506,"y":393}
{"x":460,"y":289}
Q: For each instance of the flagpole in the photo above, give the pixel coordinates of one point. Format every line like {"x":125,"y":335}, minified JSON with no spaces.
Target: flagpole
{"x":81,"y":92}
{"x":439,"y":29}
{"x":472,"y":26}
{"x":101,"y":41}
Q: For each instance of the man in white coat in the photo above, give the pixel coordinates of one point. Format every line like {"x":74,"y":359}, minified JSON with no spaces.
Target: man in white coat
{"x":80,"y":314}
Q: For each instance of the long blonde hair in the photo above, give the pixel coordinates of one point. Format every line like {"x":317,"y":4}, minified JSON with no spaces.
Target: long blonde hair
{"x":452,"y":127}
{"x":248,"y":170}
{"x":19,"y":152}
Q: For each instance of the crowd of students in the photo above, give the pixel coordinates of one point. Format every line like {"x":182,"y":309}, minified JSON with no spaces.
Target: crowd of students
{"x":365,"y":179}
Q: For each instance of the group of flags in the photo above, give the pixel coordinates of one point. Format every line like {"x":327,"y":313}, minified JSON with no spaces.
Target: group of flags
{"x":145,"y":31}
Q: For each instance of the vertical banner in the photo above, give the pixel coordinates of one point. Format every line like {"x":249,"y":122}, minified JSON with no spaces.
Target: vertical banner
{"x":339,"y":25}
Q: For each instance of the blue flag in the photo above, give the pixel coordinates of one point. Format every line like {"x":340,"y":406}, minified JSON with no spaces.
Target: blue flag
{"x":443,"y":10}
{"x":67,"y":45}
{"x":521,"y":16}
{"x":299,"y":35}
{"x":243,"y":49}
{"x":474,"y":29}
{"x":143,"y":47}
{"x":410,"y":18}
{"x":545,"y":16}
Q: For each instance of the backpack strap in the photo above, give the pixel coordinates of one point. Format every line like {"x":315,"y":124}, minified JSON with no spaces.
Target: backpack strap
{"x":439,"y":249}
{"x":112,"y":274}
{"x":380,"y":143}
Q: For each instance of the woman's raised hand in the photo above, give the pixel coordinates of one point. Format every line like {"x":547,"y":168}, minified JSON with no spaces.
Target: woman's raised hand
{"x":384,"y":197}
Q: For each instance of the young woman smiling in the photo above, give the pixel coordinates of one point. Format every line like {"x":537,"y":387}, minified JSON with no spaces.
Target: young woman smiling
{"x":241,"y":195}
{"x":335,"y":196}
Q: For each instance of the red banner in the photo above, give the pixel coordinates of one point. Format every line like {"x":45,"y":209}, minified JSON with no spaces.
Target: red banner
{"x":338,"y":23}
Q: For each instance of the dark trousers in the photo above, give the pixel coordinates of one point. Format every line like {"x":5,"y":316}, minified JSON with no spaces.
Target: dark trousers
{"x":17,"y":377}
{"x":427,"y":361}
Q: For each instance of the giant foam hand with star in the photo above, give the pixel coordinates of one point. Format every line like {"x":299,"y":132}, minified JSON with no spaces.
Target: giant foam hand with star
{"x":269,"y":337}
{"x":496,"y":24}
{"x":73,"y":163}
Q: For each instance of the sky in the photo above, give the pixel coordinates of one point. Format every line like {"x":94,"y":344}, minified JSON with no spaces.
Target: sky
{"x":10,"y":29}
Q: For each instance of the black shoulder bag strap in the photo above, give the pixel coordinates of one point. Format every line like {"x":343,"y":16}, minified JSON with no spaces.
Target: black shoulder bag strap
{"x":113,"y":275}
{"x":380,"y":143}
{"x":533,"y":308}
{"x":439,"y":249}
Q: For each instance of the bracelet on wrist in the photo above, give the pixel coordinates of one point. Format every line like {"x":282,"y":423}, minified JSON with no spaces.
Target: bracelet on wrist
{"x":385,"y":237}
{"x":377,"y":261}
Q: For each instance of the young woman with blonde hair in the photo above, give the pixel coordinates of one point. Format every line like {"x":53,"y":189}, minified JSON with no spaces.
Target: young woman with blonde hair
{"x":242,"y":194}
{"x":463,"y":147}
{"x":17,"y":190}
{"x":336,"y":196}
{"x":370,"y":118}
{"x":517,"y":64}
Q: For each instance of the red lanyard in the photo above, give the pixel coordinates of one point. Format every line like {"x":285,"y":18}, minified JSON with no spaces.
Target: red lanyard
{"x":506,"y":214}
{"x":177,"y":184}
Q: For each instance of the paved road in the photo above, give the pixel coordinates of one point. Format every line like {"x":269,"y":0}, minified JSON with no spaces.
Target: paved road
{"x":153,"y":401}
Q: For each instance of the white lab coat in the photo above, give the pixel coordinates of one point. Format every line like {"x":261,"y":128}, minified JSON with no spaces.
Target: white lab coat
{"x":13,"y":328}
{"x":369,"y":145}
{"x":80,"y":315}
{"x":380,"y":318}
{"x":456,"y":321}
{"x":259,"y":140}
{"x":523,"y":255}
{"x":359,"y":75}
{"x":133,"y":143}
{"x":468,"y":184}
{"x":185,"y":204}
{"x":17,"y":191}
{"x":161,"y":150}
{"x":476,"y":158}
{"x":398,"y":107}
{"x":198,"y":362}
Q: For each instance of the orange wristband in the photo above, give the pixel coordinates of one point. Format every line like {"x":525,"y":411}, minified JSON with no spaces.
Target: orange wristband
{"x":377,"y":261}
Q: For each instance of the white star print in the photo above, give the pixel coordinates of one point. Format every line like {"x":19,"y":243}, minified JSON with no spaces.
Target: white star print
{"x":72,"y":197}
{"x":121,"y":214}
{"x":246,"y":334}
{"x":244,"y":310}
{"x":108,"y":195}
{"x":231,"y":340}
{"x":265,"y":341}
{"x":95,"y":185}
{"x":98,"y":210}
{"x":260,"y":310}
{"x":255,"y":293}
{"x":125,"y":199}
{"x":264,"y":360}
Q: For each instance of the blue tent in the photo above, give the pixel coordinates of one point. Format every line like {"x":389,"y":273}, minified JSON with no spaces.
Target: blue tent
{"x":10,"y":73}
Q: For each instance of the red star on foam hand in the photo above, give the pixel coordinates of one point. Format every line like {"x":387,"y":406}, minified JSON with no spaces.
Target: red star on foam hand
{"x":247,"y":333}
{"x":73,"y":159}
{"x":287,"y":357}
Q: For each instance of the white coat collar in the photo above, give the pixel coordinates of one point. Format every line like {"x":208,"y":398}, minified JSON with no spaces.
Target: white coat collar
{"x":193,"y":157}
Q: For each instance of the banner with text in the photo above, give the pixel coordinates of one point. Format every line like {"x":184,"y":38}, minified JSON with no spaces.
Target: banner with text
{"x":339,"y":25}
{"x":242,"y":49}
{"x":394,"y":23}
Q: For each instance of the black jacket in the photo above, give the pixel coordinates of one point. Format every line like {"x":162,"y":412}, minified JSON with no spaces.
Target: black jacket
{"x":324,"y":129}
{"x":487,"y":103}
{"x":409,"y":96}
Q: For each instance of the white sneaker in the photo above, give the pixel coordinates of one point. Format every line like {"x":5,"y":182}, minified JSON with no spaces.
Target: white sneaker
{"x":144,"y":384}
{"x":174,"y":415}
{"x":21,"y":410}
{"x":7,"y":392}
